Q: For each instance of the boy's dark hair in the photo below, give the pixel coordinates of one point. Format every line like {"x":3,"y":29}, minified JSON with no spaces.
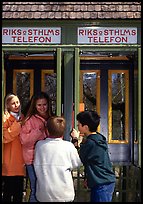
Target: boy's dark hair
{"x":89,"y":118}
{"x":56,"y":126}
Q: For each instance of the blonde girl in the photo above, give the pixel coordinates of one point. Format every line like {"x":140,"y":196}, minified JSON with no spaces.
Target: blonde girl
{"x":13,"y":168}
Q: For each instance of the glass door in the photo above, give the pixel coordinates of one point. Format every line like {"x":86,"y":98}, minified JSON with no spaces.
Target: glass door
{"x":105,"y":87}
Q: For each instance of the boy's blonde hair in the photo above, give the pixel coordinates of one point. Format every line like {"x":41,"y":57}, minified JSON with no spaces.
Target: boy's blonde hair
{"x":56,"y":126}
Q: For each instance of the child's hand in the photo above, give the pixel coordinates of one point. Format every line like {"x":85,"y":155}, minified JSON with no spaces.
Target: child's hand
{"x":85,"y":183}
{"x":74,"y":133}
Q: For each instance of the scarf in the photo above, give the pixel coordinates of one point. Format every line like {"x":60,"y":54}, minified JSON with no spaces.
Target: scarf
{"x":16,"y":115}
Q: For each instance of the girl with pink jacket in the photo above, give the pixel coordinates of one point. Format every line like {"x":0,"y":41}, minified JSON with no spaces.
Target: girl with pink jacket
{"x":33,"y":130}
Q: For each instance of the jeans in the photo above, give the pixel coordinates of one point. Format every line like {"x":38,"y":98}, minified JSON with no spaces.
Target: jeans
{"x":102,"y":193}
{"x":32,"y":178}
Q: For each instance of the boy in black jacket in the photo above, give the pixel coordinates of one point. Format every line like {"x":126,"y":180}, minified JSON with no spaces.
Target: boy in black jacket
{"x":94,"y":155}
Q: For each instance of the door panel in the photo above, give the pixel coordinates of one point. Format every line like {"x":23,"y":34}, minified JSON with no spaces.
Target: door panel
{"x":26,"y":76}
{"x":90,"y":90}
{"x":23,"y":84}
{"x":49,"y":84}
{"x":113,"y":97}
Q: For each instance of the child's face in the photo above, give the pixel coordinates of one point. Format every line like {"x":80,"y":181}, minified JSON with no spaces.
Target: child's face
{"x":14,"y":105}
{"x":82,"y":129}
{"x":42,"y":106}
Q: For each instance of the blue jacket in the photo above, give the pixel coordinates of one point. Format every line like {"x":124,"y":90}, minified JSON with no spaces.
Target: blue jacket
{"x":95,"y":158}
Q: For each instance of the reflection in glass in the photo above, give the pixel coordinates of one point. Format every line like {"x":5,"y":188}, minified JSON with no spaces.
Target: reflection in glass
{"x":23,"y":88}
{"x":118,"y":106}
{"x":50,"y":88}
{"x":89,"y":90}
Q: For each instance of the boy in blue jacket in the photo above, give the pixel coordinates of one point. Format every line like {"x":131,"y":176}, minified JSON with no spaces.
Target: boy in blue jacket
{"x":94,"y":155}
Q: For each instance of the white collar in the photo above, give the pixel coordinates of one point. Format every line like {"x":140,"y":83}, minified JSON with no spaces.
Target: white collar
{"x":16,"y":115}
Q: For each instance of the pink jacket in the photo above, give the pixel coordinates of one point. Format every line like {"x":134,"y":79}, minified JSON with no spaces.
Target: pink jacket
{"x":32,"y":131}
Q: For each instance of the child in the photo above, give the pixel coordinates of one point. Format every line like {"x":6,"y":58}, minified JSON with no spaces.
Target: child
{"x":54,"y":160}
{"x":13,"y":169}
{"x":33,"y":130}
{"x":93,"y":153}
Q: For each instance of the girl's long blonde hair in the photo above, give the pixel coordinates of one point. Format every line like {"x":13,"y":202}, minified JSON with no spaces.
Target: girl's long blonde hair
{"x":7,"y":100}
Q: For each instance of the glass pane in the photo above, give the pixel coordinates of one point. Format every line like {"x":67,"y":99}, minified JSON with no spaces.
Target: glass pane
{"x":118,"y":106}
{"x":23,"y":88}
{"x":89,"y":90}
{"x":50,"y":88}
